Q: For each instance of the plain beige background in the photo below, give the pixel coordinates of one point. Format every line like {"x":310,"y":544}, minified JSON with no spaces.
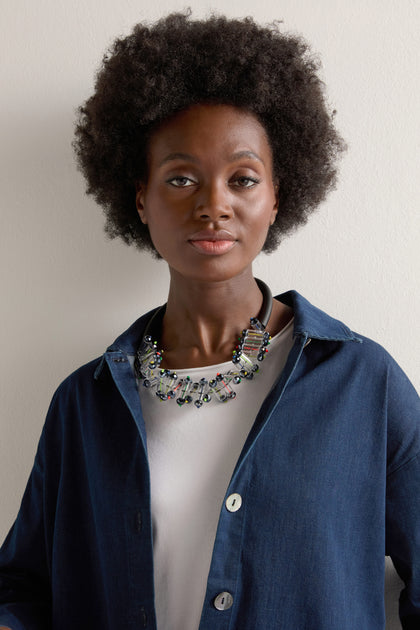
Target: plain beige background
{"x":67,"y":292}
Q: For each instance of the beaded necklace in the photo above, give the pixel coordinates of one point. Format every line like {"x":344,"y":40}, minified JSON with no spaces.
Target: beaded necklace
{"x":249,"y":352}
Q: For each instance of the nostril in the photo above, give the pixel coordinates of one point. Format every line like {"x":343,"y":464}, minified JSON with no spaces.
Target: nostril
{"x":210,"y":217}
{"x":212,"y":209}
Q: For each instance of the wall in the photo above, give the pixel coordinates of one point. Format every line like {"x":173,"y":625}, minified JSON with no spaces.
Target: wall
{"x":67,"y":292}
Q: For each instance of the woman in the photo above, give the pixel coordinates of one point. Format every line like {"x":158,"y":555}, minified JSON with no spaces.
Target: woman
{"x":151,"y":504}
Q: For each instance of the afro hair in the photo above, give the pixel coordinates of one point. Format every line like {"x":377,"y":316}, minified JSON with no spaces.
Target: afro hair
{"x":161,"y":69}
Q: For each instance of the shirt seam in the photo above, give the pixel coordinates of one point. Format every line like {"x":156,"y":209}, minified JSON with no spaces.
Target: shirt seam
{"x":403,"y":465}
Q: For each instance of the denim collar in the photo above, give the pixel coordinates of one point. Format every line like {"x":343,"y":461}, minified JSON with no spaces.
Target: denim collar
{"x":309,"y":322}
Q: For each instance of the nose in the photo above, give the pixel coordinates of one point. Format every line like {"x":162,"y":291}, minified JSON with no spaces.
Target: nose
{"x":213,"y":203}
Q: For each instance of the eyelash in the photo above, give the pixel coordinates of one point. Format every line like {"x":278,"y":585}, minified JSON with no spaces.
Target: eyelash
{"x":253,"y":180}
{"x":172,"y":180}
{"x":177,"y":178}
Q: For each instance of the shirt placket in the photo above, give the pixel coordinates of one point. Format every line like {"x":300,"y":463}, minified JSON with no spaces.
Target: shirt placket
{"x":221,"y":603}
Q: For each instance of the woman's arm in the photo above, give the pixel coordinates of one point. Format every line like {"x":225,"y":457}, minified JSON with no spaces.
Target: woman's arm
{"x":403,"y":493}
{"x":25,"y":600}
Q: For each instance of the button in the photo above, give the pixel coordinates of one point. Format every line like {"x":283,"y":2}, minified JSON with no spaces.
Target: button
{"x":223,"y":601}
{"x":233,"y":502}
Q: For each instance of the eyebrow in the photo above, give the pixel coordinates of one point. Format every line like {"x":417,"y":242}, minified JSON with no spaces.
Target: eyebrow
{"x":190,"y":158}
{"x":178,"y":156}
{"x":245,"y":154}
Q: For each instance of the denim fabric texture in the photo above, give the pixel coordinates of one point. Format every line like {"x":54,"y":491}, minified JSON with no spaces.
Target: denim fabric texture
{"x":329,"y":478}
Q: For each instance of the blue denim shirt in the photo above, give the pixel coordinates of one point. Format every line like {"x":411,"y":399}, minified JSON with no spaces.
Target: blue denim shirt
{"x":329,"y":478}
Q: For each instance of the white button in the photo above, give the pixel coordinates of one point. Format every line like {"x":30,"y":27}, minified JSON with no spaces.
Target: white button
{"x":223,"y":601}
{"x":233,"y":502}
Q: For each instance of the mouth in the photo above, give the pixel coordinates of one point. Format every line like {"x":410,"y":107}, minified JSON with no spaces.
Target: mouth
{"x":212,"y":242}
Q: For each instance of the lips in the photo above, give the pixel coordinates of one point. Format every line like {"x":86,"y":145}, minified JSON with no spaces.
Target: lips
{"x":212,"y":242}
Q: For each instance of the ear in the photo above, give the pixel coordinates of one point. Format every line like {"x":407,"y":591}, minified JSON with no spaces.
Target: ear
{"x":140,"y":202}
{"x":276,"y":204}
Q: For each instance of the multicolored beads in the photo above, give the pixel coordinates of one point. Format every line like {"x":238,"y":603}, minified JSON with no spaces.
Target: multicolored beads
{"x":249,"y":352}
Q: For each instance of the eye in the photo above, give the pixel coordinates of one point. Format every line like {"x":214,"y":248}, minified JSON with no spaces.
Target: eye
{"x":245,"y":182}
{"x":180,"y":181}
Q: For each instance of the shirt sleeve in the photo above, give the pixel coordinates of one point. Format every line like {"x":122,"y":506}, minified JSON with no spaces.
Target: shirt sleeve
{"x":25,"y":599}
{"x":403,"y":492}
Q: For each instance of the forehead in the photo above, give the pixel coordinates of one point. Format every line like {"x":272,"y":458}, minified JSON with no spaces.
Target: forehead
{"x":210,"y":130}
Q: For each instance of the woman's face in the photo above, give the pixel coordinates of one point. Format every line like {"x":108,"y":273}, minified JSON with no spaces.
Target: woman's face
{"x":209,"y":198}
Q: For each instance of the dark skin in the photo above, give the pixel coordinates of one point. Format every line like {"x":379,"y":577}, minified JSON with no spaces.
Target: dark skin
{"x":208,"y":202}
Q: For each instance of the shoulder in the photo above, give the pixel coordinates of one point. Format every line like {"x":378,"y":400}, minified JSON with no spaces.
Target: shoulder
{"x":91,"y":373}
{"x":346,"y":365}
{"x":78,"y":381}
{"x":349,"y":353}
{"x":90,"y":390}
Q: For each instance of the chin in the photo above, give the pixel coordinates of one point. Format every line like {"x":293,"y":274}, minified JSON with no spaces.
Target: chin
{"x":218,"y":271}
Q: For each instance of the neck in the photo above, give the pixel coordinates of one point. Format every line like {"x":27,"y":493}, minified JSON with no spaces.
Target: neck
{"x":203,"y":319}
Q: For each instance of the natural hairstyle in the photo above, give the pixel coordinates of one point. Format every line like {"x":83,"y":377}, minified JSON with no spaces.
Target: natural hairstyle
{"x":161,"y":69}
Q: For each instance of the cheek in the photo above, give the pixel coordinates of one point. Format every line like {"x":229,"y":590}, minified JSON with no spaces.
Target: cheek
{"x":162,"y":226}
{"x":264,"y":214}
{"x":160,"y":207}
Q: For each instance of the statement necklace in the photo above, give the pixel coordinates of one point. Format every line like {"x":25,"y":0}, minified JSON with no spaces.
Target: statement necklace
{"x":246,"y":357}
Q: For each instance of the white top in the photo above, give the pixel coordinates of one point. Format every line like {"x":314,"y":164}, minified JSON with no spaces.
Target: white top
{"x":192,"y":454}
